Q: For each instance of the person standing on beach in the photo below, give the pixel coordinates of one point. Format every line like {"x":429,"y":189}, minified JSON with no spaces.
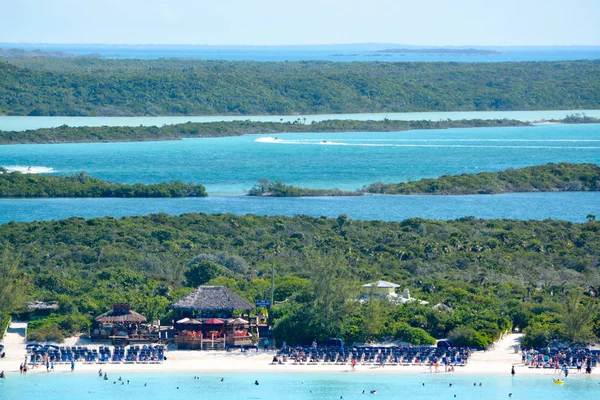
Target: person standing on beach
{"x":512,"y":371}
{"x":72,"y":365}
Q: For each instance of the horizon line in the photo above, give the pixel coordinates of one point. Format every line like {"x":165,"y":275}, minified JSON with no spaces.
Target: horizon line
{"x":296,"y":45}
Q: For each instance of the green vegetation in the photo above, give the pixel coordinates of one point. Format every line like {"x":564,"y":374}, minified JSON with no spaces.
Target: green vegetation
{"x":494,"y":274}
{"x":87,"y":86}
{"x":4,"y":322}
{"x":12,"y":288}
{"x":16,"y":184}
{"x":66,"y":134}
{"x":578,"y":119}
{"x":267,"y":188}
{"x":56,"y":328}
{"x":563,"y":177}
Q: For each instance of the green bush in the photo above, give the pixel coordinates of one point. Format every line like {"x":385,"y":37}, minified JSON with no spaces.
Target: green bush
{"x":416,"y":336}
{"x":469,"y":337}
{"x":56,"y":328}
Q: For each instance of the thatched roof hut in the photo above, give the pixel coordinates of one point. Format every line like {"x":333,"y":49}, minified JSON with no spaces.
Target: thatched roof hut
{"x":42,"y":305}
{"x":121,"y":313}
{"x":211,"y":300}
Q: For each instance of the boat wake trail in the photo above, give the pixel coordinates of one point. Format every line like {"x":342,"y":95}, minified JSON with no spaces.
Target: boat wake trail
{"x":319,"y":142}
{"x":31,"y":169}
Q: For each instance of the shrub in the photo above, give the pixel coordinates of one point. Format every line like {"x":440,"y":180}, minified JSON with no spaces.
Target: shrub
{"x":469,"y":337}
{"x":416,"y":336}
{"x":56,"y":328}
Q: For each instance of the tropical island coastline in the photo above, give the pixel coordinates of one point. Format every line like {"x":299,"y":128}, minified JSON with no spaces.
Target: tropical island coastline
{"x":24,"y":185}
{"x":190,"y":130}
{"x":561,"y":177}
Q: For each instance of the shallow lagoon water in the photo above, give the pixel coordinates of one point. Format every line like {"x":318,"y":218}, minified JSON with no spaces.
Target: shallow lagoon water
{"x":278,"y":385}
{"x":232,"y":165}
{"x":229,"y":166}
{"x":572,"y":206}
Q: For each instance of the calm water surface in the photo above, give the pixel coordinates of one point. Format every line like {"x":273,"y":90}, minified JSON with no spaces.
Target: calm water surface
{"x":334,"y":52}
{"x":564,"y":206}
{"x":278,"y":386}
{"x":232,"y":165}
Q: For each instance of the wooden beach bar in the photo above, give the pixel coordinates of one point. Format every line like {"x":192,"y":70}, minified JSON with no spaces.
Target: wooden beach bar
{"x":207,"y":320}
{"x":122,"y":325}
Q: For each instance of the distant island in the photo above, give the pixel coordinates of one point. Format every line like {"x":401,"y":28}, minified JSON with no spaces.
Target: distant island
{"x":577,"y":119}
{"x":20,"y":53}
{"x":67,"y":134}
{"x":267,"y":188}
{"x":19,"y":185}
{"x":83,"y":86}
{"x":443,"y":50}
{"x":563,"y":177}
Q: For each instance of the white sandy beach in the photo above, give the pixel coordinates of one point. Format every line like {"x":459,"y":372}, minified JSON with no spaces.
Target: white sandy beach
{"x":497,"y":361}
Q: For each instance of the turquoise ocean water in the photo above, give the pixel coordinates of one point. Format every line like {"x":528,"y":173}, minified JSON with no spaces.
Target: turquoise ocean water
{"x":230,"y":166}
{"x":278,"y":385}
{"x":573,"y":207}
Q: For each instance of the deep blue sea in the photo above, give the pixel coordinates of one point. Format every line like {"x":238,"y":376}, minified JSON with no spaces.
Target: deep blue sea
{"x":347,"y":53}
{"x":295,"y":386}
{"x":228,"y":167}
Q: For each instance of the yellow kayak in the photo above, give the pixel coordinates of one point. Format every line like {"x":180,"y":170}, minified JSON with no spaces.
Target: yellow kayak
{"x":559,"y":382}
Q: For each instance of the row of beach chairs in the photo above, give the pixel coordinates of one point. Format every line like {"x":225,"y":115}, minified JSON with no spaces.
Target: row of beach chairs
{"x":420,"y":355}
{"x":102,"y":355}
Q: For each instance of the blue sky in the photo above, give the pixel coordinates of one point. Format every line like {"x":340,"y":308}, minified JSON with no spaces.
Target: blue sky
{"x":278,"y":22}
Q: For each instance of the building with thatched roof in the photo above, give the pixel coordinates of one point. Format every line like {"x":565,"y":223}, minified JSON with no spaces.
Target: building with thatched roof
{"x":123,"y":325}
{"x":211,"y":301}
{"x":121,"y":313}
{"x":208,"y":322}
{"x":40,"y":309}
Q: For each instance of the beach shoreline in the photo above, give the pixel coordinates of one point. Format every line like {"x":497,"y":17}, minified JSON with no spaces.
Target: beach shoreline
{"x":494,"y":362}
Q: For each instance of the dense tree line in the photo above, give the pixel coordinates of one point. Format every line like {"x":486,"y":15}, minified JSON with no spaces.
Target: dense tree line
{"x":562,"y":177}
{"x":67,"y":134}
{"x":577,"y":118}
{"x":44,"y":86}
{"x":491,"y":273}
{"x":267,"y":188}
{"x":17,"y":184}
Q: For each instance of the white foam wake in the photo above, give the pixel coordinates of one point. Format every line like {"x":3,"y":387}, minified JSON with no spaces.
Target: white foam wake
{"x":305,"y":141}
{"x":268,"y":139}
{"x":432,"y":145}
{"x":32,"y":169}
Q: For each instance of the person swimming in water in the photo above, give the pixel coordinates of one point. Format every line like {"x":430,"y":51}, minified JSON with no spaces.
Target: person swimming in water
{"x":256,"y":383}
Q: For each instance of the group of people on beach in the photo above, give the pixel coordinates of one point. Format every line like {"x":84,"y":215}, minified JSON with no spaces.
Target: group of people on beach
{"x":559,"y":361}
